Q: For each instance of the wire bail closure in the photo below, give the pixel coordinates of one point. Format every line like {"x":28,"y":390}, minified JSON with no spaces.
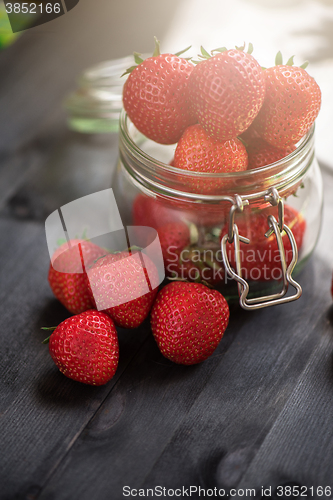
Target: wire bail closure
{"x":276,"y":227}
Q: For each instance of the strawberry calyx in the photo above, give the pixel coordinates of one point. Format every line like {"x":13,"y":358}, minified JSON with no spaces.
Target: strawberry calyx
{"x":48,"y":328}
{"x":290,"y":62}
{"x":204,"y":54}
{"x":157,"y":52}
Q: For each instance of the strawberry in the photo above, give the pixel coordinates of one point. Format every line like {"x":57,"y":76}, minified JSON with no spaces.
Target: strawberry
{"x":155,"y":97}
{"x":174,"y":237}
{"x":260,"y":260}
{"x":291,"y":105}
{"x":123,"y":288}
{"x":85,"y":348}
{"x":148,"y":211}
{"x":226,"y":93}
{"x":209,"y":215}
{"x":67,"y":276}
{"x":261,"y":153}
{"x":188,"y":321}
{"x":198,"y":152}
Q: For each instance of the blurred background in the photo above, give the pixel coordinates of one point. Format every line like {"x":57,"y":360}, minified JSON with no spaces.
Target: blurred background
{"x":40,"y":67}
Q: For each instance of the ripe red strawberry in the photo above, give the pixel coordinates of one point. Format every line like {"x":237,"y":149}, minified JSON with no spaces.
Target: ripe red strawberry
{"x":261,"y":153}
{"x":291,"y":105}
{"x":260,"y":260}
{"x":188,"y":321}
{"x":198,"y":152}
{"x":124,"y":289}
{"x":67,"y":276}
{"x":155,"y":97}
{"x":154,"y":213}
{"x":85,"y":348}
{"x":226,"y":93}
{"x":209,"y":215}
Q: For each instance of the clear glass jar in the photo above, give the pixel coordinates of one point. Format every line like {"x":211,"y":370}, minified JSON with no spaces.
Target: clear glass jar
{"x":216,"y":223}
{"x":95,"y":106}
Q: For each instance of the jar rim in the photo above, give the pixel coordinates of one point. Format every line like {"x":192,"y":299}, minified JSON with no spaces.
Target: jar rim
{"x":287,"y":170}
{"x":124,"y":119}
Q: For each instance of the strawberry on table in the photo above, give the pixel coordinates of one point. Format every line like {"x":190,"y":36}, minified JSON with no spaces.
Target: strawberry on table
{"x":196,"y":151}
{"x":226,"y":92}
{"x":291,"y":104}
{"x":123,"y":288}
{"x":67,"y":276}
{"x":188,"y":321}
{"x":155,"y":96}
{"x":260,"y":260}
{"x":85,"y":348}
{"x":261,"y":153}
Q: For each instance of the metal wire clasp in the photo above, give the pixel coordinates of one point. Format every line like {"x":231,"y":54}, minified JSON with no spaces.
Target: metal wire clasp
{"x":276,"y":227}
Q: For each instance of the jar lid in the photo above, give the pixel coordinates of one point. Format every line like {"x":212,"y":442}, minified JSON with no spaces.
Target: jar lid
{"x":95,"y":106}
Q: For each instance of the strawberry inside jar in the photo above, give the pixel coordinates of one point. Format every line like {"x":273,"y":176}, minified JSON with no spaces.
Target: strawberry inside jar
{"x":231,"y":207}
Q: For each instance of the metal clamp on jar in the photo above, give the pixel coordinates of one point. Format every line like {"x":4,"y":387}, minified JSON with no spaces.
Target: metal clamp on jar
{"x":268,"y":217}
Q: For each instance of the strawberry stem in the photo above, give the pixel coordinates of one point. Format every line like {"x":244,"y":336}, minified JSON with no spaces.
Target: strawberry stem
{"x":134,"y":248}
{"x":137,"y":58}
{"x":128,"y":71}
{"x":182,"y":51}
{"x":46,"y":341}
{"x":220,"y":49}
{"x":241,"y":48}
{"x":278,"y":59}
{"x":250,"y":49}
{"x":156,"y":52}
{"x":290,"y":61}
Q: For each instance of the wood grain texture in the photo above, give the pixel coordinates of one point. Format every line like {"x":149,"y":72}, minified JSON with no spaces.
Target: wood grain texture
{"x":74,"y":165}
{"x":177,"y":432}
{"x":223,"y":425}
{"x":41,"y":411}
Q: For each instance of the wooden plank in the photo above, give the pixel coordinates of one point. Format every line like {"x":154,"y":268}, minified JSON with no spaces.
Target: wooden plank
{"x":203,"y":425}
{"x":127,"y":435}
{"x":41,"y":411}
{"x":178,"y":423}
{"x":15,"y":170}
{"x":221,"y":436}
{"x":299,"y":448}
{"x":72,"y":166}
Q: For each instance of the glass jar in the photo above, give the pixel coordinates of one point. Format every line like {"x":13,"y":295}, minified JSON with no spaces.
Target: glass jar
{"x":94,"y":107}
{"x":247,"y":233}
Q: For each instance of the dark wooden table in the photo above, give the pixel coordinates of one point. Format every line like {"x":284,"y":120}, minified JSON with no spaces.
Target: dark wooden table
{"x":258,"y":413}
